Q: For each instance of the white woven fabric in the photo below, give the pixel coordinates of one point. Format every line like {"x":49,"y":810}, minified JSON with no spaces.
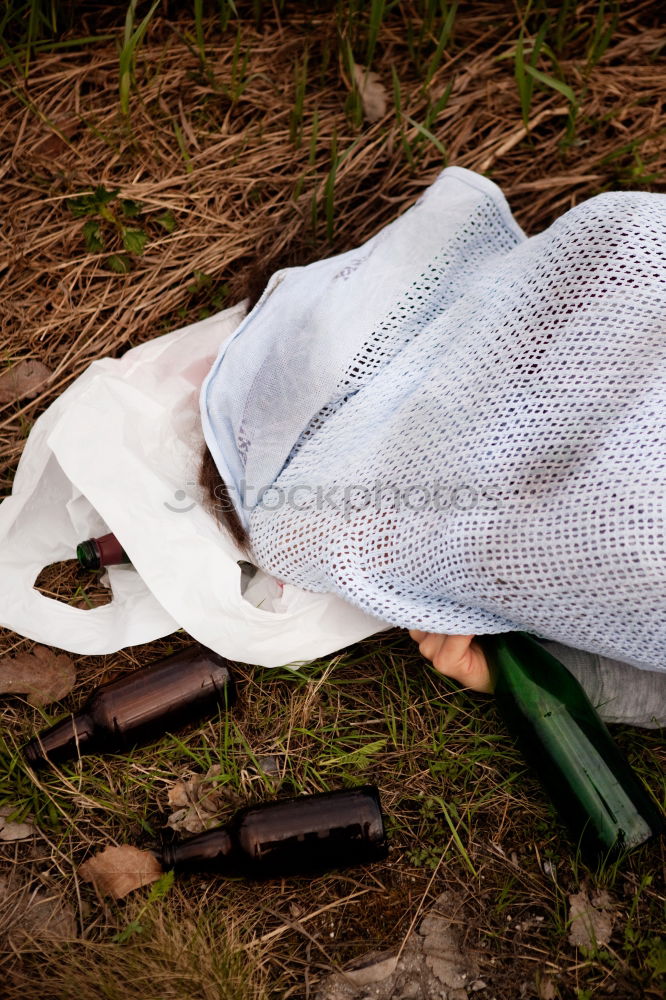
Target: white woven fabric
{"x":464,"y":430}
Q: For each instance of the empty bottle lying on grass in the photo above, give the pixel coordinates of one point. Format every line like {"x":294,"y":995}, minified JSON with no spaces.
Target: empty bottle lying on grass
{"x":293,"y":836}
{"x":556,"y":727}
{"x":145,"y":704}
{"x":560,"y":734}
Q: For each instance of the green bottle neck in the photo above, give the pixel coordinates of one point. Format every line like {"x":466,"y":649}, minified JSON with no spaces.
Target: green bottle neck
{"x":96,"y":553}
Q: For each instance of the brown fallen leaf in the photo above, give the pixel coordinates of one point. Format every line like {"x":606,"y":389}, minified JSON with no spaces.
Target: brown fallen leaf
{"x":591,"y":920}
{"x":56,"y":138}
{"x":40,"y":673}
{"x":372,"y":93}
{"x":372,"y":968}
{"x":546,"y":989}
{"x":442,"y":947}
{"x":198,"y":802}
{"x":23,"y":380}
{"x":117,"y":871}
{"x":178,"y":795}
{"x":10,"y":830}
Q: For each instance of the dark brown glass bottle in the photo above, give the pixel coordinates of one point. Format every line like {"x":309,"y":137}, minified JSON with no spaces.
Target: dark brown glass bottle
{"x":140,"y":706}
{"x":289,"y":837}
{"x":96,"y":553}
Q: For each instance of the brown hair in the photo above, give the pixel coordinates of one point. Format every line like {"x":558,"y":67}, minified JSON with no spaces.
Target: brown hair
{"x":217,"y":498}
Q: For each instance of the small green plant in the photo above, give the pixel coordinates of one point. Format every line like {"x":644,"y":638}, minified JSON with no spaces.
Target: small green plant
{"x":108,"y":226}
{"x":446,"y":31}
{"x":239,"y":76}
{"x":442,"y":823}
{"x":207,"y":296}
{"x":527,"y":53}
{"x":602,"y":33}
{"x":225,"y":9}
{"x":656,"y":956}
{"x":353,"y":104}
{"x":296,"y":115}
{"x":397,"y":101}
{"x":132,"y":38}
{"x":424,"y":133}
{"x":329,"y":187}
{"x":158,"y":891}
{"x":81,"y":595}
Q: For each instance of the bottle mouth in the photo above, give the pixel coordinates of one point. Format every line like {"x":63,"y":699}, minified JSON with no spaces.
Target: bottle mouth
{"x":88,"y":555}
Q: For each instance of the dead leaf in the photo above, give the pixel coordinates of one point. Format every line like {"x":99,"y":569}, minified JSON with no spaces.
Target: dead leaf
{"x":198,"y":802}
{"x":56,"y":140}
{"x":546,"y":989}
{"x":372,"y":969}
{"x":441,"y":946}
{"x":118,"y":870}
{"x":40,"y":673}
{"x":11,"y":830}
{"x":23,"y":380}
{"x":372,"y":93}
{"x":430,"y":962}
{"x":177,"y":796}
{"x":591,"y":920}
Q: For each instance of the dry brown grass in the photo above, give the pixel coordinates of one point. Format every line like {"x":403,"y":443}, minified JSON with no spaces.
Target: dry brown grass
{"x":243,"y":192}
{"x":234,"y":197}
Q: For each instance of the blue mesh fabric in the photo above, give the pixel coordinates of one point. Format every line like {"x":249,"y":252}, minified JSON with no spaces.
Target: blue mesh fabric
{"x":491,"y":454}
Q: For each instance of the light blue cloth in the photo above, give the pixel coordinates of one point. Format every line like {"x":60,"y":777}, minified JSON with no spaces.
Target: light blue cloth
{"x":463,"y":430}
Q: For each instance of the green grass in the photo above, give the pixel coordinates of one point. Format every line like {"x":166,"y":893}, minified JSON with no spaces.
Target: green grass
{"x":132,"y":37}
{"x":464,"y":814}
{"x":164,"y":948}
{"x":458,"y":800}
{"x":37,"y":25}
{"x":539,"y":36}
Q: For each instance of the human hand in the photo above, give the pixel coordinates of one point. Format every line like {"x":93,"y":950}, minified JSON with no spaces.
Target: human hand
{"x":457,"y":657}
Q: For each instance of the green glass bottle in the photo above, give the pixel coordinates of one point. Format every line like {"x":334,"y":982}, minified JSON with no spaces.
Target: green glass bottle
{"x":96,"y":553}
{"x":561,"y":736}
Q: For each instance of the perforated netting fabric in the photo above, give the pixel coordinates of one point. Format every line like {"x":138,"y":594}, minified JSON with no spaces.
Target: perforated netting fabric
{"x":463,"y":430}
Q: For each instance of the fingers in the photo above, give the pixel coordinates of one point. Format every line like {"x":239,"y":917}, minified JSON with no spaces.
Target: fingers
{"x":463,"y":661}
{"x":442,"y":648}
{"x":454,"y":649}
{"x":455,"y":656}
{"x":431,"y":646}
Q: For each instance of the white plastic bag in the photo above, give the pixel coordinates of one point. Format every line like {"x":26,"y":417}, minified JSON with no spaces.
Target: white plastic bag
{"x":119,"y":451}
